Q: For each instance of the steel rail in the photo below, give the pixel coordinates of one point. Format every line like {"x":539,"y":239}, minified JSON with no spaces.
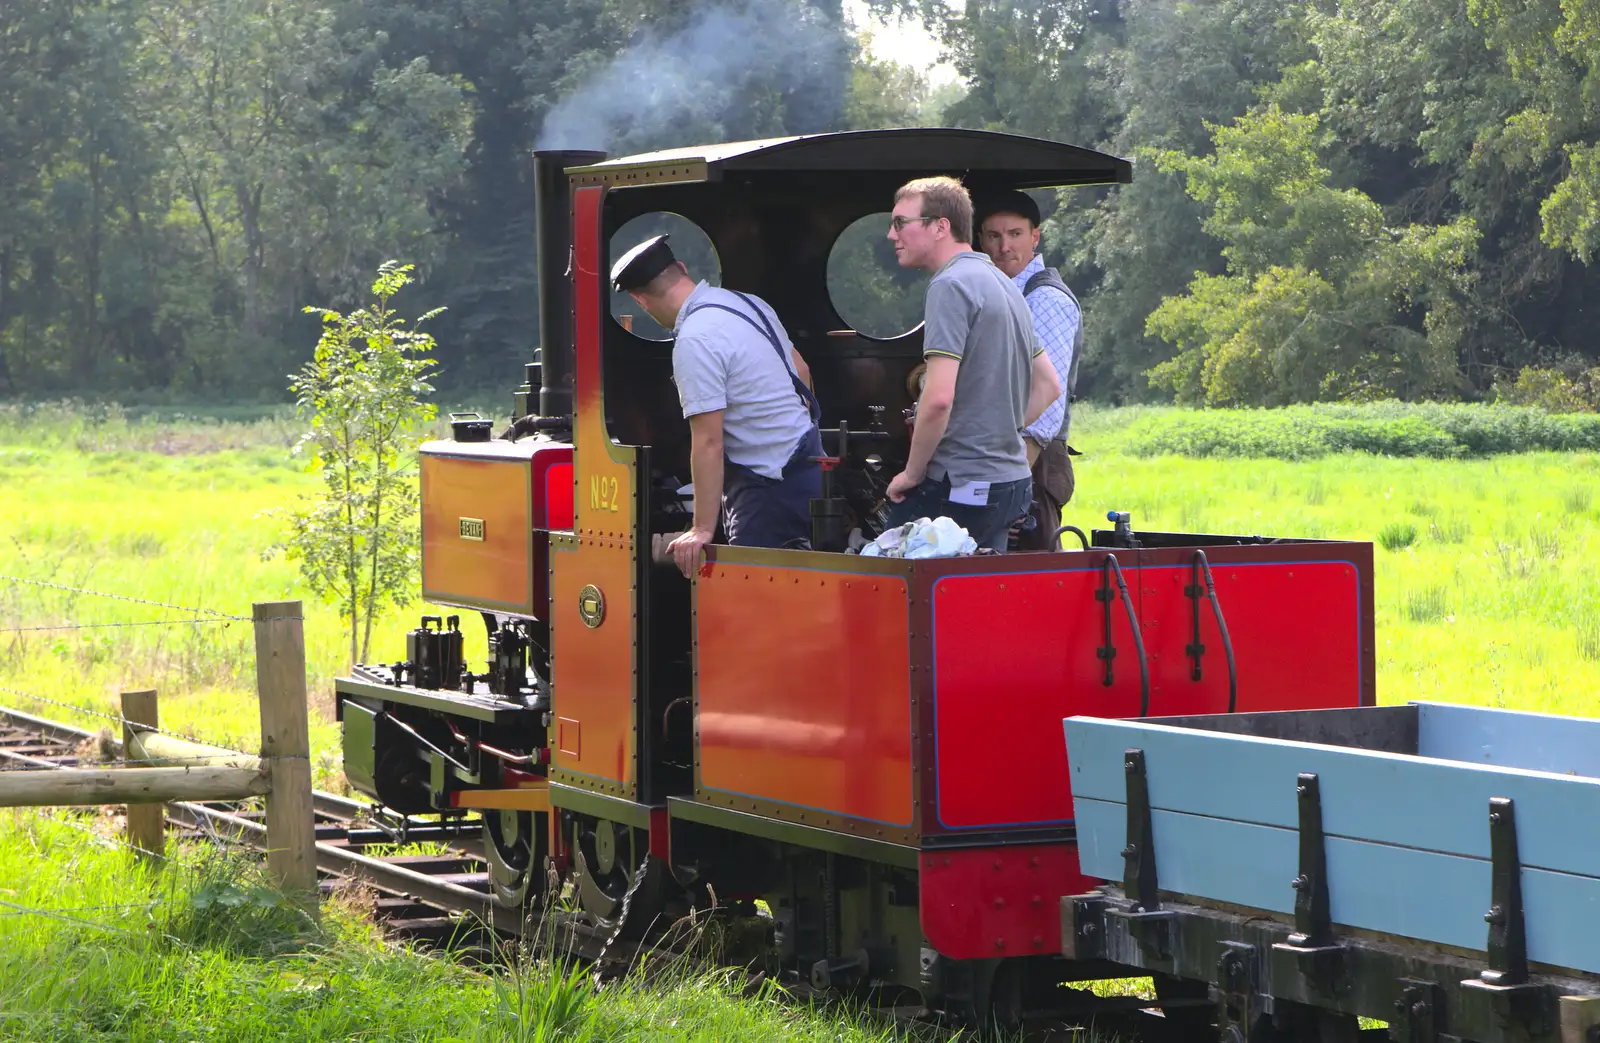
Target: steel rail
{"x":444,"y":894}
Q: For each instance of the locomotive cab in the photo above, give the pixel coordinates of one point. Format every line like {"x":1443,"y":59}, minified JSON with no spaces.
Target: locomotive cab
{"x":869,"y":747}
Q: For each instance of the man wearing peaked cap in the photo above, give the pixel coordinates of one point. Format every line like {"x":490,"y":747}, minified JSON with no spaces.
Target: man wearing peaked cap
{"x":753,"y":436}
{"x":642,"y":263}
{"x":1008,"y":227}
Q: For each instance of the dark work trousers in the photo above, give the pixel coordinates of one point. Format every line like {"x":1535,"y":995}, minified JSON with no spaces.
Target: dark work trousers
{"x":989,"y":525}
{"x":1053,"y":483}
{"x":758,"y":511}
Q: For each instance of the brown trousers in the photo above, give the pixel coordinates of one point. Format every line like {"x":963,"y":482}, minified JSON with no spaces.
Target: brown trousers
{"x":1053,"y":483}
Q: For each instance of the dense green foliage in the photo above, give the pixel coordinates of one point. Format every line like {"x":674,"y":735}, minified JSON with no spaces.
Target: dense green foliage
{"x":1334,"y":199}
{"x":1385,"y":428}
{"x":178,"y":179}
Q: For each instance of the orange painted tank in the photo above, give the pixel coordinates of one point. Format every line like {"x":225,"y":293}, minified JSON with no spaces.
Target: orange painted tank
{"x":486,"y":510}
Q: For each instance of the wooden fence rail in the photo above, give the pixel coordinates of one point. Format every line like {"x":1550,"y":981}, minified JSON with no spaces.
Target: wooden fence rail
{"x":195,"y":772}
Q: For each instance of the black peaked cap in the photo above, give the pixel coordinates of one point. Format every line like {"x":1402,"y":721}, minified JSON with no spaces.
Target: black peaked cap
{"x":1011,"y":202}
{"x":641,"y":264}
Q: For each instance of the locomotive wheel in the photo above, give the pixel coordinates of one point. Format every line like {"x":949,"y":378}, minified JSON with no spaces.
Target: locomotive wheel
{"x":609,"y":862}
{"x":514,"y":848}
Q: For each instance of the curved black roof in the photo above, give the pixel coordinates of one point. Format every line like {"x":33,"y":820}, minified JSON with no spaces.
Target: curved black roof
{"x":899,"y":155}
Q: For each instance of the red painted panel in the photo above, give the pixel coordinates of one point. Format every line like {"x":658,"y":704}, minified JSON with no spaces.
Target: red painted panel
{"x":998,"y":901}
{"x":1014,"y":654}
{"x":1296,"y":630}
{"x":804,"y":689}
{"x":558,"y":496}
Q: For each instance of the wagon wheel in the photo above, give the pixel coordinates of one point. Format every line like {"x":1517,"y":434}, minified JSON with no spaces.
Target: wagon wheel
{"x":615,"y":879}
{"x":515,"y":850}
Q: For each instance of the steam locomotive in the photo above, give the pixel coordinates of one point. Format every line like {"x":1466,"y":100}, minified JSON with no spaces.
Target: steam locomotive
{"x":871,"y":747}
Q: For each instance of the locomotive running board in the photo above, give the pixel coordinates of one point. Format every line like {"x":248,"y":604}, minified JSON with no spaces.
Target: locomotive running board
{"x":864,"y":848}
{"x":491,"y":709}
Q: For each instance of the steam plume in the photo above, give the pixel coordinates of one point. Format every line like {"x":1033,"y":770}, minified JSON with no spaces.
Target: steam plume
{"x":751,"y":69}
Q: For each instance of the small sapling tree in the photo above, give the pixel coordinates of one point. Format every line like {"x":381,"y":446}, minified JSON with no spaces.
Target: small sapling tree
{"x":356,"y":542}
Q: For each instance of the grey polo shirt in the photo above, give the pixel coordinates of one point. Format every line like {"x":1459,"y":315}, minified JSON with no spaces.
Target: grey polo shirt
{"x":720,"y":361}
{"x":977,"y":315}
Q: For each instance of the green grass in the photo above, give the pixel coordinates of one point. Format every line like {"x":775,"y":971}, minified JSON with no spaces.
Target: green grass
{"x":1485,"y":594}
{"x":1489,"y":594}
{"x":1310,"y":432}
{"x":166,"y":509}
{"x":95,"y":946}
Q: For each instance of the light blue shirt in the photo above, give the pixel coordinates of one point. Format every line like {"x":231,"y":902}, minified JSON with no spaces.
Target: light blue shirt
{"x":720,"y":361}
{"x":1055,"y":321}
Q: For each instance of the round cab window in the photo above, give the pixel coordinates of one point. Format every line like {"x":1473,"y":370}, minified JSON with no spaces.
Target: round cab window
{"x":871,"y":292}
{"x":689,"y":243}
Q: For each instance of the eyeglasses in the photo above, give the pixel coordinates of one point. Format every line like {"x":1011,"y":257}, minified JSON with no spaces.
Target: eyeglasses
{"x":899,"y":223}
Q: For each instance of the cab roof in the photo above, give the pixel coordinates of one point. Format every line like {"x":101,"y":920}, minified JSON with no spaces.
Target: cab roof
{"x":888,"y":155}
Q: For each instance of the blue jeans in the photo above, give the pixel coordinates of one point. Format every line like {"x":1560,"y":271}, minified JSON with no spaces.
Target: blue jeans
{"x":988,"y":525}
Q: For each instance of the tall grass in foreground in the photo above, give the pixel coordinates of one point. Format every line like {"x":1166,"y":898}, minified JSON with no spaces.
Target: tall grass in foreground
{"x":95,"y":946}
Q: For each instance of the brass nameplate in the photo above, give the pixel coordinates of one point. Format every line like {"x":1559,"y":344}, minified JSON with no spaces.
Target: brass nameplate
{"x":591,"y":606}
{"x":472,"y":529}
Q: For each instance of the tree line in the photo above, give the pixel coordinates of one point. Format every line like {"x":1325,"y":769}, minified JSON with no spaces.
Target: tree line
{"x":1333,"y":199}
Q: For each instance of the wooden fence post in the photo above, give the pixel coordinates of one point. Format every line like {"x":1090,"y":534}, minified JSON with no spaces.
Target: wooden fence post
{"x":146,"y":822}
{"x":286,"y":746}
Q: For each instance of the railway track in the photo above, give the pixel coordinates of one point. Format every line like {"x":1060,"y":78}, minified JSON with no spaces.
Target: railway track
{"x":433,"y":899}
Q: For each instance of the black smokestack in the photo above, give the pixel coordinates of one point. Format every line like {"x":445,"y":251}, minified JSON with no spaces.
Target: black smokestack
{"x":553,"y":212}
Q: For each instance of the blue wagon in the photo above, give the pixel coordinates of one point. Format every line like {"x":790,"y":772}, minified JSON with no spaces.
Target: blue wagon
{"x":1433,"y":867}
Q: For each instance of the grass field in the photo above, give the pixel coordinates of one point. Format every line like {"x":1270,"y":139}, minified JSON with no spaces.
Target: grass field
{"x":94,"y":947}
{"x":1486,"y":590}
{"x":1486,"y":593}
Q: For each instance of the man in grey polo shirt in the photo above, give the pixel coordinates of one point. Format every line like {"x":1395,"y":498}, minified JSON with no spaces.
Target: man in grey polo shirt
{"x":753,"y":436}
{"x":987,"y":374}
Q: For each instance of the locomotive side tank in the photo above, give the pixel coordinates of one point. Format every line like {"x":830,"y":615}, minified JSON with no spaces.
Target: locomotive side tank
{"x":869,"y":747}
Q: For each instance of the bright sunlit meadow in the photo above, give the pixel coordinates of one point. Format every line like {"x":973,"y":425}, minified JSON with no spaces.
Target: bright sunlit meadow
{"x":1486,"y":586}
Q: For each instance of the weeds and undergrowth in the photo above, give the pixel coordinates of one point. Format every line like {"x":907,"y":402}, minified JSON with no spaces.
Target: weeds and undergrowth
{"x":95,"y":946}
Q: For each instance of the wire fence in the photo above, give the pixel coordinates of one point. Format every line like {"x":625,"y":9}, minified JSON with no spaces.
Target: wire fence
{"x":97,"y":749}
{"x":208,"y":612}
{"x":192,"y":616}
{"x":121,"y":722}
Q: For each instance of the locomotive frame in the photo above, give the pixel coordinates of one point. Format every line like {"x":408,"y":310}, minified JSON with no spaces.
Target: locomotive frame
{"x":869,"y":747}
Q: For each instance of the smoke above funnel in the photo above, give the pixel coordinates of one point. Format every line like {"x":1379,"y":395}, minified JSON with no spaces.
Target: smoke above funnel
{"x":751,"y":69}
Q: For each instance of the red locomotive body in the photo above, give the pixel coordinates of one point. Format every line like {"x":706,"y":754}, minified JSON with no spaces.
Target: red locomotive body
{"x":915,"y":704}
{"x":872,"y":747}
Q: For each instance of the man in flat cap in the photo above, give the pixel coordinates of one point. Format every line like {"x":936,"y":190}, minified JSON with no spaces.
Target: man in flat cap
{"x":753,"y":435}
{"x":1009,"y":234}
